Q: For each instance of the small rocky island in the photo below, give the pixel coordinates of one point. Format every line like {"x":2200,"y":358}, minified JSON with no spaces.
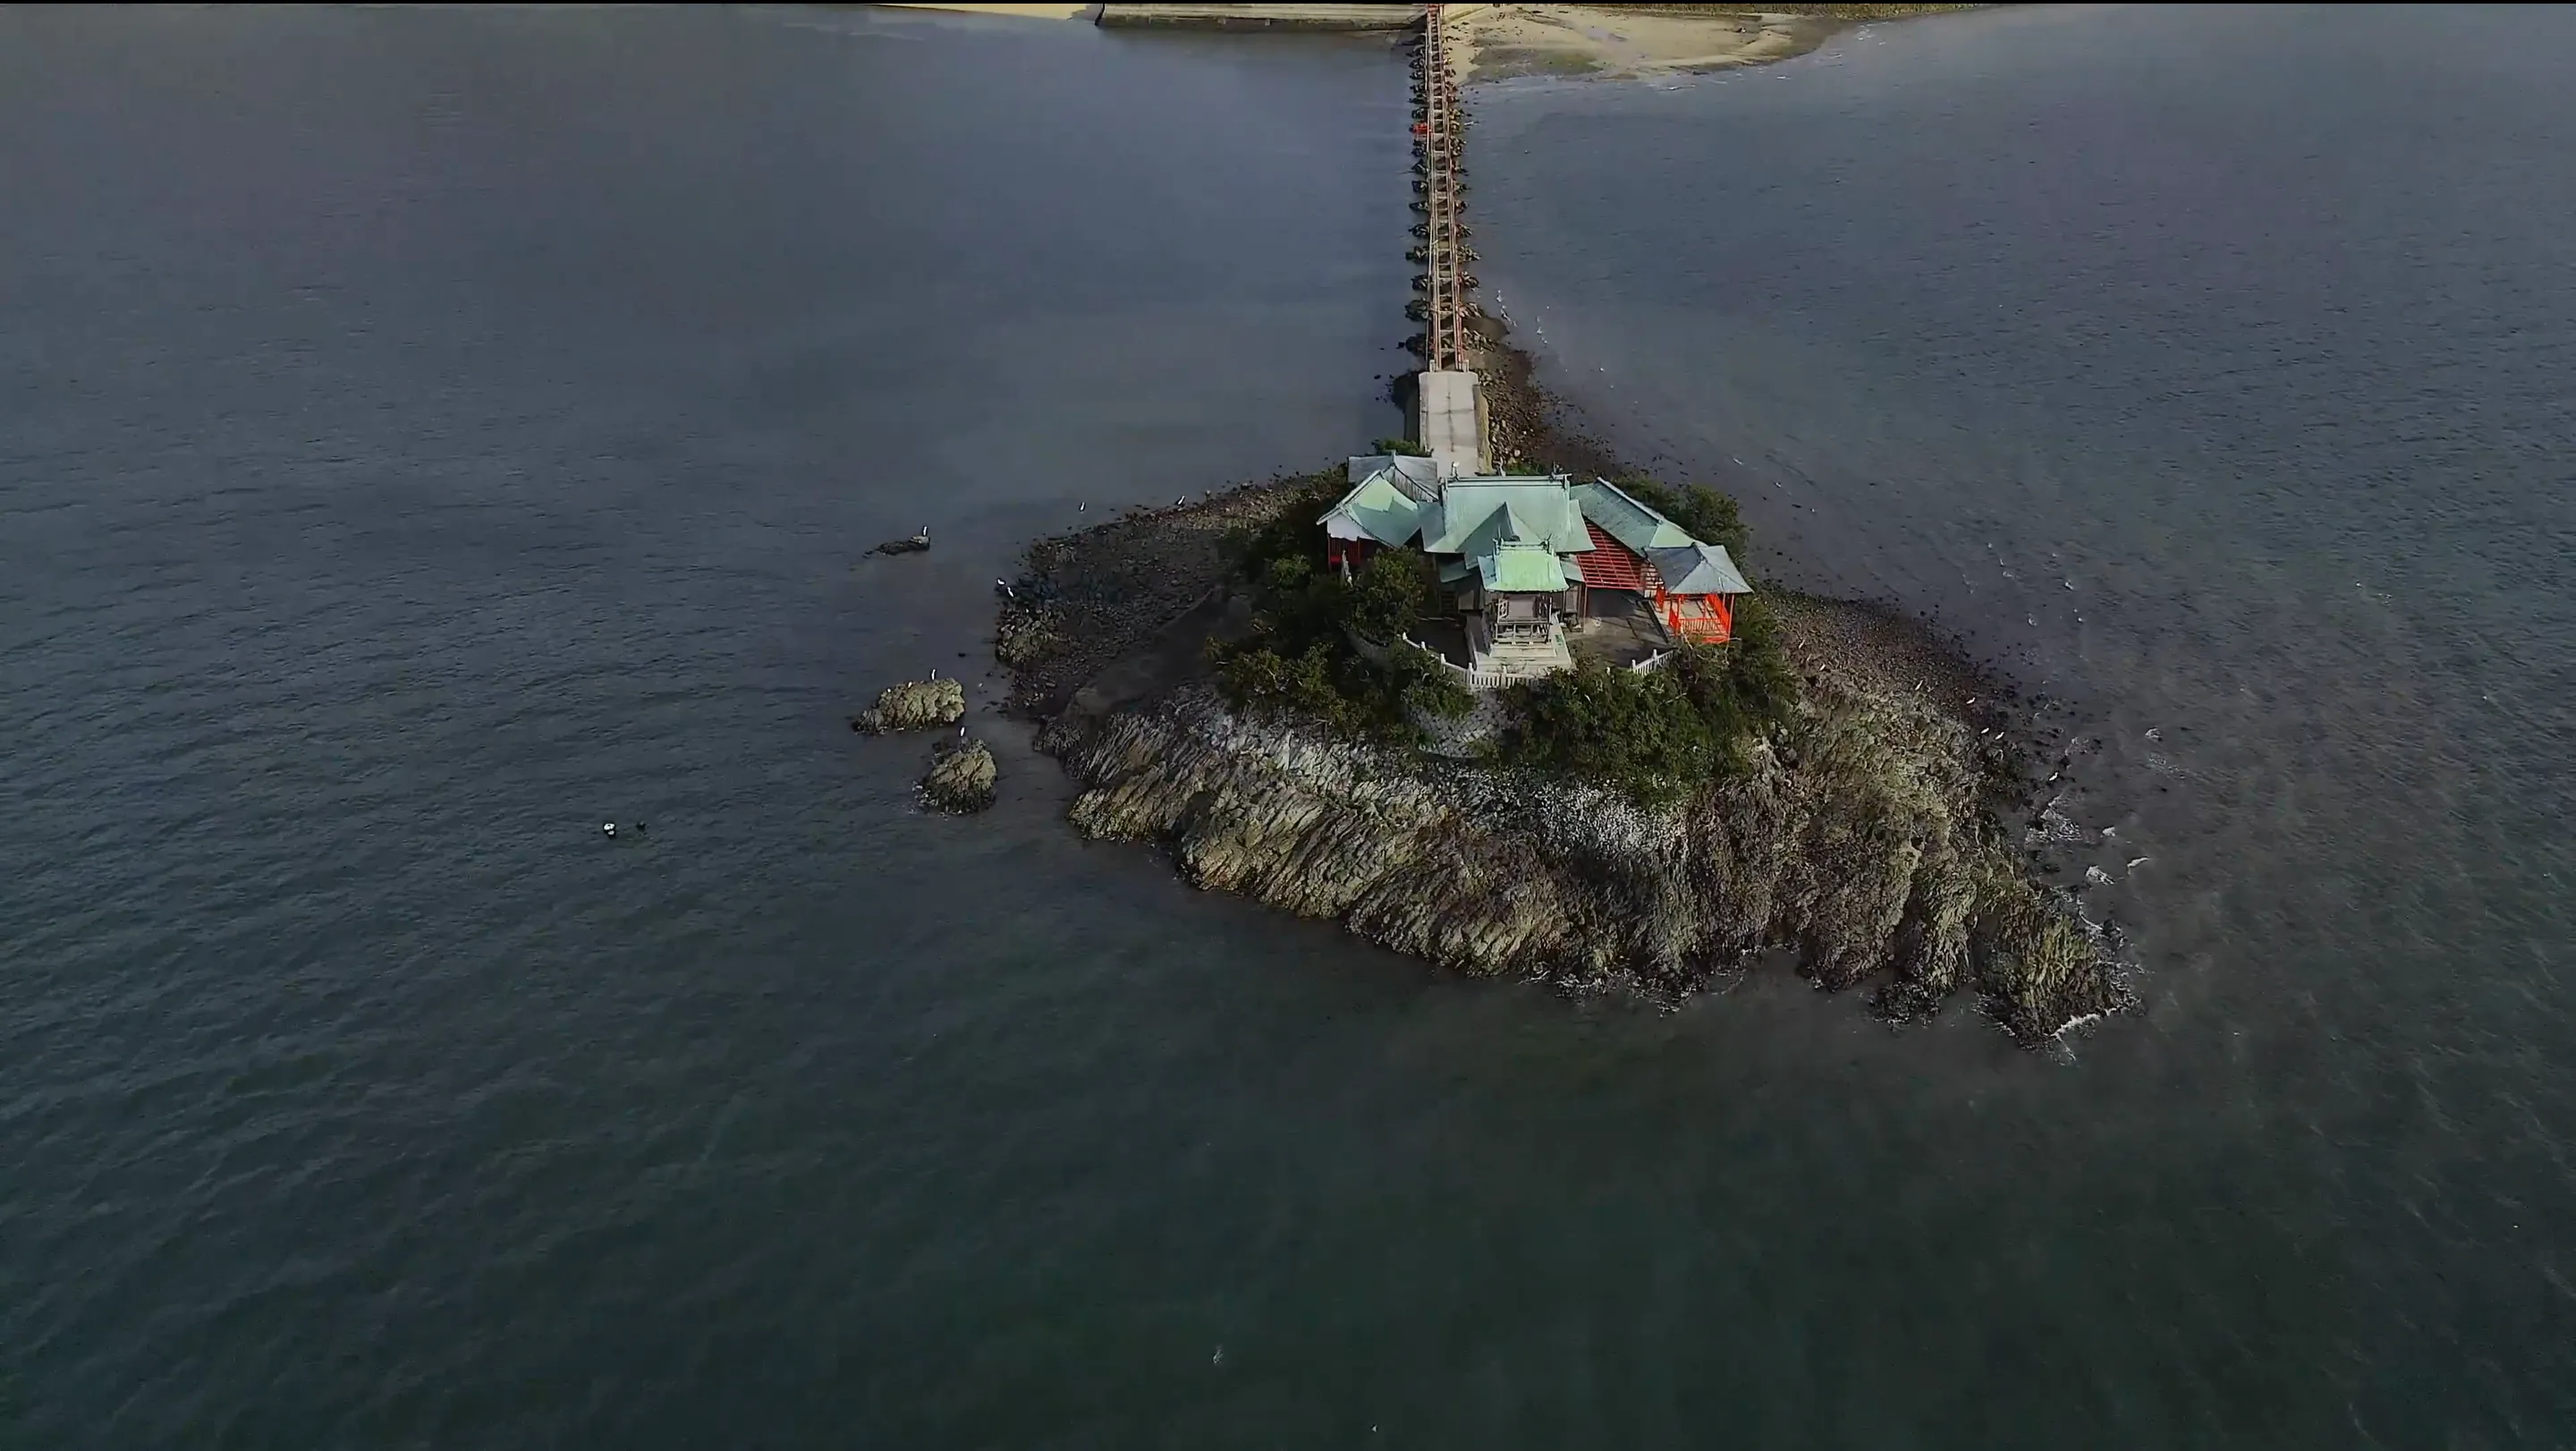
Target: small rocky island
{"x":1423,"y":707}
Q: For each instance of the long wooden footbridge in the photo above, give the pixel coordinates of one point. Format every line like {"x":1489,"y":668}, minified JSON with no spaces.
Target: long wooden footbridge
{"x":1438,"y":140}
{"x":1448,"y":418}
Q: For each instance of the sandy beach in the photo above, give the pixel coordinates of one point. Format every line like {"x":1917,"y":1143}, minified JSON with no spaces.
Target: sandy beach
{"x":1495,"y":42}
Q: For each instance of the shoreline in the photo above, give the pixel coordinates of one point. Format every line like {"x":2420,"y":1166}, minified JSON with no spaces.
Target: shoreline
{"x":1629,"y":42}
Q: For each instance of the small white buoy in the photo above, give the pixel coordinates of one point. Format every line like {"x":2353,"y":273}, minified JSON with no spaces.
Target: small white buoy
{"x":610,"y":827}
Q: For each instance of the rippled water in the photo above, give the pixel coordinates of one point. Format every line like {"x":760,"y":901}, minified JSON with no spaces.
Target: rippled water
{"x":425,"y":434}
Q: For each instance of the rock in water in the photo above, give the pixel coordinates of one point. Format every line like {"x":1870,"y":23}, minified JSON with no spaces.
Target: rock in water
{"x":960,"y":778}
{"x":913,"y":705}
{"x":1023,"y":635}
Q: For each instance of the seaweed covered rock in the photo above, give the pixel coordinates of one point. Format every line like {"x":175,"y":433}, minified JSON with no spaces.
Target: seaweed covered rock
{"x":960,"y":778}
{"x":1023,"y":634}
{"x":913,"y":705}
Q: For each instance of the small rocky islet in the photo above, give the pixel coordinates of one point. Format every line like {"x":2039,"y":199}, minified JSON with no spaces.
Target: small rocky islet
{"x":961,"y":776}
{"x":1866,"y":835}
{"x":913,"y":705}
{"x":962,"y":771}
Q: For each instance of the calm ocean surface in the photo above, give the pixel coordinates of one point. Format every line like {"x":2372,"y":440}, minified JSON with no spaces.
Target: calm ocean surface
{"x":426,"y":434}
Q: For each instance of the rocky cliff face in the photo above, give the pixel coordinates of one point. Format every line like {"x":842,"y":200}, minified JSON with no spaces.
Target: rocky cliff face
{"x":1858,"y":855}
{"x":1866,"y":837}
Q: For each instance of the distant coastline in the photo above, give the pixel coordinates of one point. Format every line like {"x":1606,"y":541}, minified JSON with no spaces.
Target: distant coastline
{"x":1030,"y":12}
{"x":1500,"y":42}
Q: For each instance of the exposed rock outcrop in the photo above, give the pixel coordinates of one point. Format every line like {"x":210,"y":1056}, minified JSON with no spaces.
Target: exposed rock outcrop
{"x":913,"y":705}
{"x":1870,"y":857}
{"x":960,"y":778}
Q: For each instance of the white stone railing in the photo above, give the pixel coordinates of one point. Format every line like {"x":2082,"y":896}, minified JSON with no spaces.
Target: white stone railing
{"x":1468,"y":676}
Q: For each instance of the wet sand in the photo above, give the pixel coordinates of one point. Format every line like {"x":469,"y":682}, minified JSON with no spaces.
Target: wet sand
{"x":1495,"y":42}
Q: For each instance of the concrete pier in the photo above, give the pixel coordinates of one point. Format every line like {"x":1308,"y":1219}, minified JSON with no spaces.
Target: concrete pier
{"x":1447,"y":421}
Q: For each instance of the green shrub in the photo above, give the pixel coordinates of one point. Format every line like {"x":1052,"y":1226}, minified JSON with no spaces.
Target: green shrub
{"x":1402,"y":446}
{"x":1299,"y":659}
{"x":1656,"y":734}
{"x":1637,"y":731}
{"x":1340,"y":689}
{"x":1394,"y":589}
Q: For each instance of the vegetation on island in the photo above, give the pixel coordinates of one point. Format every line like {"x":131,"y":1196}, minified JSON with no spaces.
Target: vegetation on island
{"x":1656,"y":735}
{"x":1302,"y":657}
{"x":1659,"y":735}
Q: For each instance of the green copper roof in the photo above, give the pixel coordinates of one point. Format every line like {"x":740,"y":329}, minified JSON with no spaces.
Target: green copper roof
{"x":1699,"y":569}
{"x":1377,"y":510}
{"x":1521,"y":567}
{"x":1546,"y":514}
{"x":1419,"y":477}
{"x":1628,"y":521}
